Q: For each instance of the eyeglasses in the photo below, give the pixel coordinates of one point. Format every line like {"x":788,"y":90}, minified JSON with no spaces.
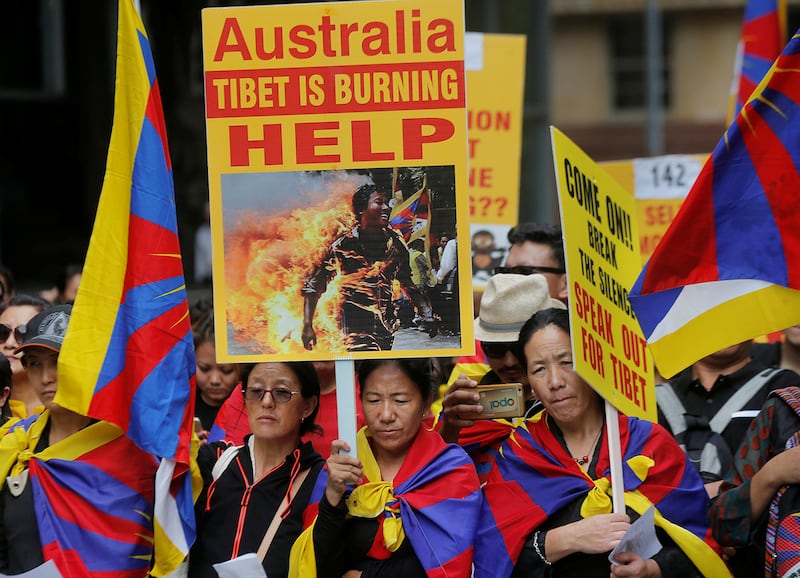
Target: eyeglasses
{"x":5,"y":331}
{"x":529,"y":270}
{"x":279,"y":394}
{"x":497,"y":350}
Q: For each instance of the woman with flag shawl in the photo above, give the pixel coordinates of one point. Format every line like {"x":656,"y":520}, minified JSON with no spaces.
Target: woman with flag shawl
{"x":67,"y":496}
{"x":547,"y":510}
{"x":258,"y":497}
{"x":414,"y":508}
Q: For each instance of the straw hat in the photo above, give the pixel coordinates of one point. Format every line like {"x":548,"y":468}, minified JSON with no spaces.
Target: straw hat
{"x":508,"y":302}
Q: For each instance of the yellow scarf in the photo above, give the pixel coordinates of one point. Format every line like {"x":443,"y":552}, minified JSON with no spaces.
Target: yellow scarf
{"x":17,"y":447}
{"x":369,"y":500}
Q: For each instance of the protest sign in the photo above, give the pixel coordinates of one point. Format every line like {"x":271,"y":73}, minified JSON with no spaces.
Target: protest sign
{"x":602,"y":256}
{"x":494,"y":129}
{"x":305,"y":105}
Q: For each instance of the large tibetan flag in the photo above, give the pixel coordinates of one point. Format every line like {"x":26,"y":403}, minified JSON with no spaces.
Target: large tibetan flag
{"x":128,"y":356}
{"x":763,"y":37}
{"x":728,"y":267}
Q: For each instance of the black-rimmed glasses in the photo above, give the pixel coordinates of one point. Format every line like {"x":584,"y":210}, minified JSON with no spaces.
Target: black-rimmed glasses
{"x":528,"y":270}
{"x":5,"y":331}
{"x":279,"y":394}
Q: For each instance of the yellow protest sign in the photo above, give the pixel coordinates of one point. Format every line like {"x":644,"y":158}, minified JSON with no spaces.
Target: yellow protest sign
{"x":494,"y":123}
{"x":337,"y":146}
{"x":602,"y":254}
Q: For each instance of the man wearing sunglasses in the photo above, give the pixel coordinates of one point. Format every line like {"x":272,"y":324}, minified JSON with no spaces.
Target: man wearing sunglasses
{"x":538,"y":248}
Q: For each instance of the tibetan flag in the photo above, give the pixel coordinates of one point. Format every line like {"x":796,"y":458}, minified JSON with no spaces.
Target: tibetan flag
{"x":128,"y":357}
{"x":411,"y":217}
{"x":92,"y":515}
{"x":763,"y":37}
{"x":728,"y":267}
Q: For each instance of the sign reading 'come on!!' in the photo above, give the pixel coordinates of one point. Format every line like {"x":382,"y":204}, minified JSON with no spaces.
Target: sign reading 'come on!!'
{"x":602,"y":254}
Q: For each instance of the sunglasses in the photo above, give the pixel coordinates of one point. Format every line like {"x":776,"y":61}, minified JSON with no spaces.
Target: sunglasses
{"x":528,"y":270}
{"x":279,"y":395}
{"x":5,"y":331}
{"x":497,"y":350}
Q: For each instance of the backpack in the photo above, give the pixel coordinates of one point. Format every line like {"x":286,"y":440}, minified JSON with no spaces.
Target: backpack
{"x":700,"y":437}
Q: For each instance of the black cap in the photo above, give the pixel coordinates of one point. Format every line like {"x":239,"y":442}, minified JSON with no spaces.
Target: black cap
{"x":46,"y":329}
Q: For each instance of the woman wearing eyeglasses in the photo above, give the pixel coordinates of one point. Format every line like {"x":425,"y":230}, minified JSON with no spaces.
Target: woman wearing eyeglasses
{"x":257,"y":497}
{"x":407,"y":506}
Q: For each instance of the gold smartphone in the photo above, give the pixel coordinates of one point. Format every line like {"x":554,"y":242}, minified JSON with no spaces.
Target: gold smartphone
{"x":502,"y":400}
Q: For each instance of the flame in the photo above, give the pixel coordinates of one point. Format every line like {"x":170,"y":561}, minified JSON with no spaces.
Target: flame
{"x":267,"y":258}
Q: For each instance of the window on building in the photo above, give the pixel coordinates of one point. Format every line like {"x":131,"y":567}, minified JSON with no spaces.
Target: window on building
{"x":33,"y":47}
{"x":628,"y":53}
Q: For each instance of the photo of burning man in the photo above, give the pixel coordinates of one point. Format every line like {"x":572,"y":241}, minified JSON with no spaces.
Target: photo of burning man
{"x":370,"y":258}
{"x":318,"y":262}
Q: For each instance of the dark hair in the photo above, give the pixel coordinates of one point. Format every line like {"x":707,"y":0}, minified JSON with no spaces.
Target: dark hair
{"x":202,"y":318}
{"x":309,"y":387}
{"x":24,"y":299}
{"x":543,"y":233}
{"x":538,"y":321}
{"x":361,"y":198}
{"x":69,"y":271}
{"x":420,"y":371}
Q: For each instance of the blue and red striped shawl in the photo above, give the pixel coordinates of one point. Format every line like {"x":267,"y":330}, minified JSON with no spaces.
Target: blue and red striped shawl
{"x":534,"y":477}
{"x":93,"y":497}
{"x":438,"y":498}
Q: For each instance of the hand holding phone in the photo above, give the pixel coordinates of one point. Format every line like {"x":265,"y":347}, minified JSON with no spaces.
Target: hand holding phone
{"x":502,"y":400}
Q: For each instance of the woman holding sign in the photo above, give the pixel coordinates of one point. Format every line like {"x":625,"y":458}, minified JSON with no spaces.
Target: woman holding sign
{"x":416,"y":500}
{"x":547,"y":508}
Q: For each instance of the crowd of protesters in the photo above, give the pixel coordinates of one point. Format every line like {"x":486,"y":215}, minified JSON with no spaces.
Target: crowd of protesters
{"x":431,"y":488}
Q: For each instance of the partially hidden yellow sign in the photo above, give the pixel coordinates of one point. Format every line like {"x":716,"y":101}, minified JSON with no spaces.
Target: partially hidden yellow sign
{"x":337,"y":151}
{"x":494,"y":121}
{"x":659,"y":185}
{"x":601,"y":245}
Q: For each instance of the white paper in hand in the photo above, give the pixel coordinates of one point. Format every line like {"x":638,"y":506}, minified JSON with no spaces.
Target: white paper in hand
{"x":640,"y":538}
{"x":245,"y":566}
